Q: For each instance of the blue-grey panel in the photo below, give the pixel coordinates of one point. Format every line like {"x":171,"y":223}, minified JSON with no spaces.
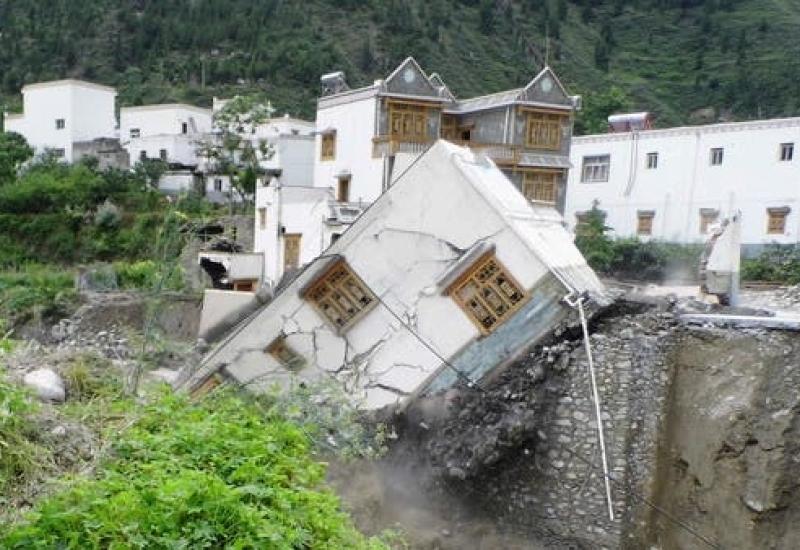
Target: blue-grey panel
{"x":533,"y":321}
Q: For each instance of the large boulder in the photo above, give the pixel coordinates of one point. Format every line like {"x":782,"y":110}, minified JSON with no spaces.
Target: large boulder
{"x":47,"y":384}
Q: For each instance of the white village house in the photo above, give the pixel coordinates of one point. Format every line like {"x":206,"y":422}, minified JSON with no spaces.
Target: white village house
{"x":672,"y":184}
{"x":58,"y":115}
{"x":366,"y":137}
{"x":433,"y":283}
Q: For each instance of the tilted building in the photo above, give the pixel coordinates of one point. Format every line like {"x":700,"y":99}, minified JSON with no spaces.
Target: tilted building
{"x":672,"y":184}
{"x":447,"y":276}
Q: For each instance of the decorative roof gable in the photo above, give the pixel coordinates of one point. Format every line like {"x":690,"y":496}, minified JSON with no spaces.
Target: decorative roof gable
{"x":546,"y":88}
{"x":409,"y":79}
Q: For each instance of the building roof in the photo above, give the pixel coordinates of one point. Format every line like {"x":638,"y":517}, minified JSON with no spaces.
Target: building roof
{"x":764,"y":124}
{"x":166,"y":107}
{"x":67,"y":82}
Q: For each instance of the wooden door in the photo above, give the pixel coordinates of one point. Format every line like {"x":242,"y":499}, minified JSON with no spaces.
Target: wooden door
{"x":291,"y":251}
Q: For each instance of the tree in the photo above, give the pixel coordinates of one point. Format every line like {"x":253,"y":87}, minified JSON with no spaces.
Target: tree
{"x":591,"y":238}
{"x":593,"y":119}
{"x":151,"y":170}
{"x":233,"y":150}
{"x":14,"y":152}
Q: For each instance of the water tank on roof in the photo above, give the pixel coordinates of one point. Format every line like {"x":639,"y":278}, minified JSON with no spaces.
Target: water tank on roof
{"x":333,"y":83}
{"x":629,"y":122}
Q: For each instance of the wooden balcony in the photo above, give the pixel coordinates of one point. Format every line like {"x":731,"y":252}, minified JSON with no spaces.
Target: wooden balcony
{"x":501,"y":153}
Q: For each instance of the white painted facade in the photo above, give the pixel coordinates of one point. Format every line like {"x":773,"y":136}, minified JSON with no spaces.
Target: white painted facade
{"x":171,"y":132}
{"x":407,"y":249}
{"x":752,"y":175}
{"x":59,"y":113}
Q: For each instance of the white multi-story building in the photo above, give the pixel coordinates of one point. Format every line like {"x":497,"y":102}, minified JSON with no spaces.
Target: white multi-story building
{"x":672,"y":184}
{"x":58,"y":114}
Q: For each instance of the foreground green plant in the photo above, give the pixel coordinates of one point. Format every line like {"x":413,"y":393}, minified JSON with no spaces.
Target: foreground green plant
{"x":212,"y":474}
{"x":20,"y":455}
{"x":35,"y":291}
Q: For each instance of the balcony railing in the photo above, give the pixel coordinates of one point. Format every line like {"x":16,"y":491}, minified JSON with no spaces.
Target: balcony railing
{"x":501,"y":153}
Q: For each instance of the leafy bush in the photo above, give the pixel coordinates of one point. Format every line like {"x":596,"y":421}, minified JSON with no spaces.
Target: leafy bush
{"x":107,"y":216}
{"x":148,"y":275}
{"x":778,"y":263}
{"x":35,"y":291}
{"x":89,"y":376}
{"x":213,"y":474}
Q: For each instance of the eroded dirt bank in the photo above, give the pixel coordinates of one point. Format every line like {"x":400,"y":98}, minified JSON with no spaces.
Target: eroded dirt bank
{"x":702,"y":422}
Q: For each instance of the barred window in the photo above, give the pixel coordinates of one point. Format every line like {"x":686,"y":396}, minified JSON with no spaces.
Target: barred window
{"x":285,"y":355}
{"x":595,"y":168}
{"x":717,"y":154}
{"x":487,"y":293}
{"x":408,"y":122}
{"x":652,"y":161}
{"x":341,"y":296}
{"x":544,"y":131}
{"x":540,"y":186}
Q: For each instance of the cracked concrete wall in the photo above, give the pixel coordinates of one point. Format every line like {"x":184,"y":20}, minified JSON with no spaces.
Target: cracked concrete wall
{"x":400,"y":247}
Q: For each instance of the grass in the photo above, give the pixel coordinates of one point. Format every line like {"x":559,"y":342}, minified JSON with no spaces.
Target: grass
{"x":35,"y":292}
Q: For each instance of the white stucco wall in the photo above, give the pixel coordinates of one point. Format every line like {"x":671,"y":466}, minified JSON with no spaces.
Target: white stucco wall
{"x":354,"y":123}
{"x":400,"y":247}
{"x":290,"y":209}
{"x":160,"y":128}
{"x":87,"y":110}
{"x":294,"y":156}
{"x":751,"y":178}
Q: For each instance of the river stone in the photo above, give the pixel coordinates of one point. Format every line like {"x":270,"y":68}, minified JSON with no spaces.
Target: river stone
{"x":47,"y":384}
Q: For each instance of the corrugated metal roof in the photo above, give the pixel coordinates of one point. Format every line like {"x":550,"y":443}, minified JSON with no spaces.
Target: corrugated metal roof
{"x":545,"y":161}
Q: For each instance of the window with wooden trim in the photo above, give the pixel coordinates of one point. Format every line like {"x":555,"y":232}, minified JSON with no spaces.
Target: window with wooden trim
{"x":343,"y":188}
{"x":787,"y":152}
{"x":707,"y":218}
{"x":595,"y":168}
{"x":449,"y":129}
{"x":328,"y":148}
{"x":291,"y":251}
{"x":776,"y":220}
{"x":244,"y":285}
{"x":341,"y":296}
{"x":644,"y":223}
{"x":408,"y":122}
{"x":717,"y":154}
{"x":487,"y":293}
{"x":289,"y":359}
{"x":652,"y":161}
{"x":544,"y":131}
{"x":540,"y":186}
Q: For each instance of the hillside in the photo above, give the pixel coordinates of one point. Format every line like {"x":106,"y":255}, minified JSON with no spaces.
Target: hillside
{"x":669,"y":56}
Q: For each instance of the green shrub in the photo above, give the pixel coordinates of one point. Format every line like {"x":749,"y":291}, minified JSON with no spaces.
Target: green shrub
{"x":148,"y":275}
{"x":36,"y":291}
{"x":778,"y":264}
{"x":213,"y":474}
{"x":19,"y":455}
{"x":89,"y":376}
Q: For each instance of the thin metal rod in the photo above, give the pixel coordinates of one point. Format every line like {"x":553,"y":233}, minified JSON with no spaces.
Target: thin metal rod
{"x":596,"y":398}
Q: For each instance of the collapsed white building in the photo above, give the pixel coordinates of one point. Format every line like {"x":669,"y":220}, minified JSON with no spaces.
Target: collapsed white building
{"x":449,"y":274}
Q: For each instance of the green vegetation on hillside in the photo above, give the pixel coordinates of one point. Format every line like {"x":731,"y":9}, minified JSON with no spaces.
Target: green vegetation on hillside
{"x":220,"y":473}
{"x":668,"y":56}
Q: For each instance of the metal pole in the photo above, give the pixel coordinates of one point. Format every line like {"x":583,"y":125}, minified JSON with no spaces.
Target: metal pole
{"x":596,"y":398}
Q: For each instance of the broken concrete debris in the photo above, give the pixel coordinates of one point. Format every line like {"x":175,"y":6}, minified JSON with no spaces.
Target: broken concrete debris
{"x":432,"y":286}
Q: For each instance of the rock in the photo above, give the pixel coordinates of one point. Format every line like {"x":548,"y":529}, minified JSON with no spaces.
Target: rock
{"x":59,"y":432}
{"x":166,"y":375}
{"x":47,"y":384}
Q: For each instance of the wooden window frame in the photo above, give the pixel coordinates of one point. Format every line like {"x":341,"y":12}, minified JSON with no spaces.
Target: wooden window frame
{"x":340,"y":296}
{"x":286,"y":238}
{"x":343,"y":187}
{"x":536,"y":189}
{"x":245,"y":285}
{"x":449,"y":129}
{"x":491,"y":294}
{"x":644,"y":223}
{"x":776,"y":220}
{"x":707,"y":217}
{"x":327,"y":149}
{"x":278,"y":349}
{"x":415,"y":114}
{"x":543,"y":130}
